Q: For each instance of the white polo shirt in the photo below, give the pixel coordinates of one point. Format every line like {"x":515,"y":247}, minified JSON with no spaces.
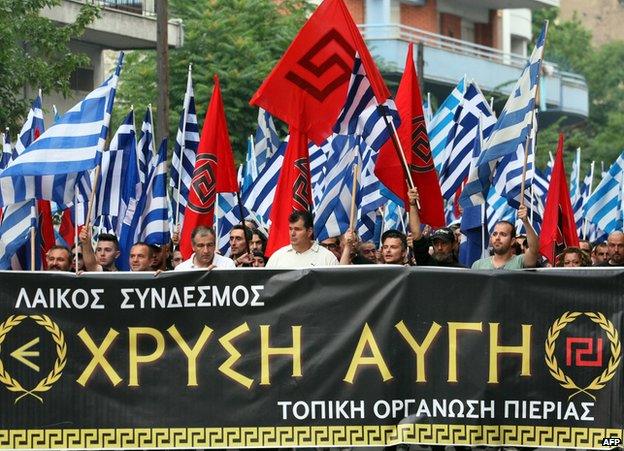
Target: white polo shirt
{"x":288,"y":258}
{"x":218,"y":260}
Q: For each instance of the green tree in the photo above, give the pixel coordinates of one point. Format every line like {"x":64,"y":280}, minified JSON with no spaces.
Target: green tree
{"x":569,"y":45}
{"x":240,"y":40}
{"x":34,"y":52}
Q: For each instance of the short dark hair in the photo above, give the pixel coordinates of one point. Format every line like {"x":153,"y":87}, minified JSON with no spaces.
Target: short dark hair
{"x":392,"y":233}
{"x":260,"y":234}
{"x":246,"y":231}
{"x":202,"y":231}
{"x":260,"y":254}
{"x":513,"y":227}
{"x":150,"y":250}
{"x":110,"y":238}
{"x":306,"y":216}
{"x":57,"y":247}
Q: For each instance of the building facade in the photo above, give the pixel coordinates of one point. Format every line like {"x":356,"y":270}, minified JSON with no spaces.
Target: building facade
{"x":485,"y":40}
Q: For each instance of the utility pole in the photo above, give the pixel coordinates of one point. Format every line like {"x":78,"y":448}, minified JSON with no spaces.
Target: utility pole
{"x":420,"y":66}
{"x":162,"y":67}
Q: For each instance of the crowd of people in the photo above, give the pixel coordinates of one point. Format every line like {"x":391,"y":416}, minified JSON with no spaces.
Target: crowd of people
{"x":422,"y":246}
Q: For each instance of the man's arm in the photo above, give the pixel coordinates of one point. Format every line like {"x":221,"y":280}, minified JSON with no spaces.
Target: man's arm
{"x":88,"y":256}
{"x":414,"y":217}
{"x":531,"y":255}
{"x":349,"y":242}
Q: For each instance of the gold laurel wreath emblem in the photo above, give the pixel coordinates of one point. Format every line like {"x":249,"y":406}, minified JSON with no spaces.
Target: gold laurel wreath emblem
{"x":551,"y":361}
{"x":54,"y":375}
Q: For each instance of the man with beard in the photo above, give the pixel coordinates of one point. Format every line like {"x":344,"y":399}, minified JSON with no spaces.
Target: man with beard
{"x":58,"y":258}
{"x":615,"y":247}
{"x":442,"y":240}
{"x":502,"y":239}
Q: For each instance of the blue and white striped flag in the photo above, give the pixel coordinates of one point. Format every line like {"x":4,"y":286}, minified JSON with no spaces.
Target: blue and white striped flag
{"x":148,"y":221}
{"x":370,"y":198}
{"x":33,"y":127}
{"x":462,"y":138}
{"x":184,"y":152}
{"x":259,"y":198}
{"x":114,"y":190}
{"x":585,"y":192}
{"x":442,"y":123}
{"x":249,"y":170}
{"x":63,"y":154}
{"x":394,"y":217}
{"x":504,"y":150}
{"x":17,"y":221}
{"x":227,"y":216}
{"x":498,"y":210}
{"x":7,"y":149}
{"x":145,"y":146}
{"x":332,"y":212}
{"x":605,"y":207}
{"x":318,"y":169}
{"x":267,"y":140}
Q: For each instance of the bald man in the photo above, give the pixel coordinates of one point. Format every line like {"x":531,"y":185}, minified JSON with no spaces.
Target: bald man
{"x":615,"y":244}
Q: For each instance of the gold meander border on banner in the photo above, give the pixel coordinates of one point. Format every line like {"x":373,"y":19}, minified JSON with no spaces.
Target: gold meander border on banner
{"x":538,"y":436}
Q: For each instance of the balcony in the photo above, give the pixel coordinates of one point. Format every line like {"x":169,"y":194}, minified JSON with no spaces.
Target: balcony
{"x":512,"y":4}
{"x":448,"y":59}
{"x":122,"y":25}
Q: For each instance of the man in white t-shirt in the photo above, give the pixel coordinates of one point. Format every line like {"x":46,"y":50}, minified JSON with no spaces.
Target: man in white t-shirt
{"x":303,"y":251}
{"x":204,"y":257}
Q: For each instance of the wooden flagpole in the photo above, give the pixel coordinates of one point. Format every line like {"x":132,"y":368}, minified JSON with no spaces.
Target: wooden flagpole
{"x":353,"y":212}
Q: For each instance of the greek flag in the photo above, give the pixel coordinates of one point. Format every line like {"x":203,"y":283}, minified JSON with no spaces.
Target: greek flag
{"x":461,"y":139}
{"x":498,"y":210}
{"x":249,"y":170}
{"x":267,"y":141}
{"x":15,"y":229}
{"x":370,"y":198}
{"x":32,"y":128}
{"x":7,"y":149}
{"x":62,"y":155}
{"x":318,"y":159}
{"x":361,"y":114}
{"x":148,"y":221}
{"x":505,"y":146}
{"x":394,"y":217}
{"x":585,"y":192}
{"x":113,"y":190}
{"x":184,"y":151}
{"x":145,"y":146}
{"x":259,"y":198}
{"x":605,"y":207}
{"x":442,"y":123}
{"x":227,"y":216}
{"x":332,"y":212}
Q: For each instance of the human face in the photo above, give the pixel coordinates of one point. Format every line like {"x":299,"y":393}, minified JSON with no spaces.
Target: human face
{"x":393,"y":252}
{"x":80,"y":260}
{"x":237,"y":242}
{"x":255,"y":245}
{"x":332,"y":245}
{"x":571,"y":260}
{"x":501,"y":239}
{"x":106,"y":253}
{"x":616,"y":247}
{"x":157,"y":258}
{"x":258,"y":262}
{"x":600,"y":254}
{"x":367,"y":250}
{"x":177,"y":258}
{"x":204,"y":248}
{"x":300,"y":235}
{"x":58,"y":260}
{"x":140,"y":258}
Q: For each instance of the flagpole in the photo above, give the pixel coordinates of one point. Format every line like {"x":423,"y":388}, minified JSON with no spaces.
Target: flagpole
{"x":483,"y":219}
{"x":182,"y":146}
{"x":353,"y":212}
{"x":589,"y":193}
{"x":33,"y":212}
{"x":533,"y":121}
{"x":399,"y":149}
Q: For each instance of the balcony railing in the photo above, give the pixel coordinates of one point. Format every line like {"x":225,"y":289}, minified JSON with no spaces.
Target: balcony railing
{"x":133,"y":6}
{"x":372,"y":32}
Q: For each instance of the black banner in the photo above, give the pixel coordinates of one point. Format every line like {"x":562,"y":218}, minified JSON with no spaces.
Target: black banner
{"x":325,"y":357}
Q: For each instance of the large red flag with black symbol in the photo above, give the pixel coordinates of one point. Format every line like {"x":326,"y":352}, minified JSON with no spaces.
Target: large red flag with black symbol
{"x":214,"y":171}
{"x":293,"y":192}
{"x":558,"y":226}
{"x":308,"y":86}
{"x":415,"y":142}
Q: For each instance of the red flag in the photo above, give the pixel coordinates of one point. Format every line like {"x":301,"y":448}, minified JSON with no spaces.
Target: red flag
{"x":558,"y":226}
{"x":293,"y":192}
{"x":46,"y":229}
{"x":214,"y":171}
{"x":308,"y":86}
{"x":66,"y":228}
{"x":415,"y":142}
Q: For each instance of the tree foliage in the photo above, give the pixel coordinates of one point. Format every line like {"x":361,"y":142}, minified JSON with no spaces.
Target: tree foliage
{"x":240,"y":40}
{"x":34,"y":52}
{"x":569,"y":45}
